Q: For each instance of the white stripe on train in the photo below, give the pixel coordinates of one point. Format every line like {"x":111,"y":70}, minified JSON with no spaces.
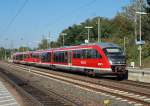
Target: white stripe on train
{"x":105,"y":69}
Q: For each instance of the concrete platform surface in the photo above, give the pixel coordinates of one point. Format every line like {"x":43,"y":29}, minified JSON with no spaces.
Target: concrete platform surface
{"x":6,"y":98}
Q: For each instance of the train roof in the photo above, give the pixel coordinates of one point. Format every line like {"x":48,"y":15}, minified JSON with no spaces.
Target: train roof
{"x":105,"y":45}
{"x":102,"y":45}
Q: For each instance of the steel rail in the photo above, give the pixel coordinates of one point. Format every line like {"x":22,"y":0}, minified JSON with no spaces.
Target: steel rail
{"x":86,"y":85}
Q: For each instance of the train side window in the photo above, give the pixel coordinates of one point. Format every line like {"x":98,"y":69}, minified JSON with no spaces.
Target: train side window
{"x":20,"y":57}
{"x":45,"y":57}
{"x":77,"y":53}
{"x":88,"y":53}
{"x":35,"y":56}
{"x":26,"y":56}
{"x":95,"y":54}
{"x":65,"y":56}
{"x":49,"y":57}
{"x":31,"y":55}
{"x":56,"y":57}
{"x":61,"y":57}
{"x":84,"y":54}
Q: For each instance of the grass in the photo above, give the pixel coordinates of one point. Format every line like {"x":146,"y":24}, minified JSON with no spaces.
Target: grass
{"x":146,"y":62}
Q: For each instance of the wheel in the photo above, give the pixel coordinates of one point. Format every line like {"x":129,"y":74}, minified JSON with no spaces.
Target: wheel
{"x":89,"y":72}
{"x":92,"y":74}
{"x":53,"y":67}
{"x":120,"y":77}
{"x":123,"y":76}
{"x":126,"y":75}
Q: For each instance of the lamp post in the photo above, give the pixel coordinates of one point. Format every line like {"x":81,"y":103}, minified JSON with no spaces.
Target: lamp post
{"x":140,"y":33}
{"x":88,"y":27}
{"x":63,"y":34}
{"x":124,"y":44}
{"x":5,"y":48}
{"x":22,"y":47}
{"x":99,"y":30}
{"x":12,"y":48}
{"x":49,"y":40}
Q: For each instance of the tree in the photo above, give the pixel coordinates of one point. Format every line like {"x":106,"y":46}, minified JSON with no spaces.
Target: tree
{"x":23,"y":49}
{"x":44,"y":44}
{"x":148,"y":7}
{"x":122,"y":27}
{"x":148,"y":1}
{"x":114,"y":30}
{"x":2,"y":53}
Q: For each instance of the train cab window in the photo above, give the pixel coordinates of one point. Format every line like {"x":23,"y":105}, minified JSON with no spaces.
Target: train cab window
{"x":46,"y":57}
{"x":113,"y":51}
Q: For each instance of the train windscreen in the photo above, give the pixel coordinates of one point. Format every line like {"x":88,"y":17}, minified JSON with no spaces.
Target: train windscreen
{"x":113,"y":51}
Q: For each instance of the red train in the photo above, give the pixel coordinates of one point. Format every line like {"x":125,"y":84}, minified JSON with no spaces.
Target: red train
{"x":99,"y":58}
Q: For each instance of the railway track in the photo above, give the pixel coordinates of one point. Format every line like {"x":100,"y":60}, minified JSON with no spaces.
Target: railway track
{"x":132,"y":97}
{"x":135,"y":83}
{"x":28,"y":99}
{"x":130,"y":82}
{"x":121,"y":85}
{"x":35,"y":96}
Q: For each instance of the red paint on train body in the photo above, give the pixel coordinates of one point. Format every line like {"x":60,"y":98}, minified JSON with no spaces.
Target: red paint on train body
{"x":90,"y":58}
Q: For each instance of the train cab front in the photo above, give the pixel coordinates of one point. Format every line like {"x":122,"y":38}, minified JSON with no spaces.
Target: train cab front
{"x":117,"y":60}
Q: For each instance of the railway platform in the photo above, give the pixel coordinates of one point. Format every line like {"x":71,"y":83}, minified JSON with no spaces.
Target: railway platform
{"x":6,"y":98}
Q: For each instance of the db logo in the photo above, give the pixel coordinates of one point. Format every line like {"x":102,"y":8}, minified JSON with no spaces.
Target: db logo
{"x":83,"y":62}
{"x":100,"y":64}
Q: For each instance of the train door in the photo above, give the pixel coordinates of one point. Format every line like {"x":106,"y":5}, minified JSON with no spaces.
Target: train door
{"x":70,"y":58}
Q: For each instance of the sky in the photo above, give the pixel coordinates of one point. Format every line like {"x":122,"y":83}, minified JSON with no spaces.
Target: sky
{"x":25,"y":22}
